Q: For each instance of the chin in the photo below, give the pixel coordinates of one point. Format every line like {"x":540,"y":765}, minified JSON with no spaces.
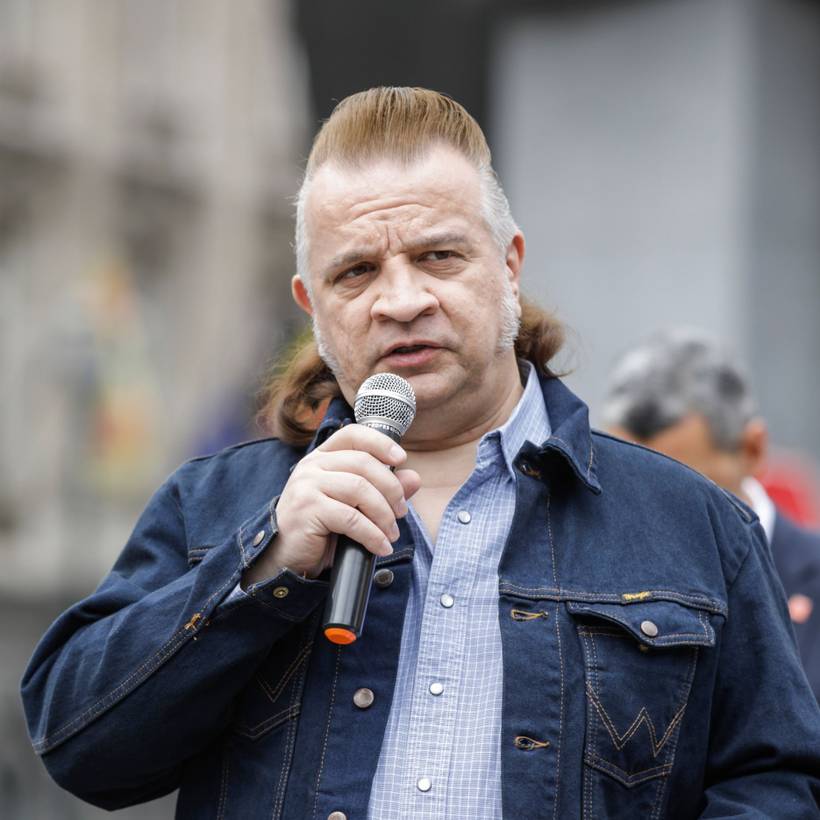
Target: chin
{"x":431,"y":389}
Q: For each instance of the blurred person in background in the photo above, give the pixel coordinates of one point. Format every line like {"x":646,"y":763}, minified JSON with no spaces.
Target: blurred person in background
{"x":682,"y":394}
{"x":561,"y":625}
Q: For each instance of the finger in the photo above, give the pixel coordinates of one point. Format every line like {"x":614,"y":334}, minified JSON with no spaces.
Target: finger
{"x":346,"y":520}
{"x":410,"y":481}
{"x":369,"y":468}
{"x":359,"y":437}
{"x":358,"y":492}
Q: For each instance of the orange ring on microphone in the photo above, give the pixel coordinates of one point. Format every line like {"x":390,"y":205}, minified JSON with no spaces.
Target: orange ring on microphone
{"x":337,"y":634}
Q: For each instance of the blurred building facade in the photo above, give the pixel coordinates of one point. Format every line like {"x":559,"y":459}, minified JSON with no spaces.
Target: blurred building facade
{"x":662,"y":157}
{"x":148,"y":154}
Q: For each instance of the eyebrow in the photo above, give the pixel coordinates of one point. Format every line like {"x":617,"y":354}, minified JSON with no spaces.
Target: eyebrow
{"x":428,"y":241}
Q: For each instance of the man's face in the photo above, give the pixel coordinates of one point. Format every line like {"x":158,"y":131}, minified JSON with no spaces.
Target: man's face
{"x":406,"y":277}
{"x":690,"y":442}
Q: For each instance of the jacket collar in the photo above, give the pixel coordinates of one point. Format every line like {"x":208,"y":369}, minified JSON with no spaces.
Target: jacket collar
{"x":571,"y":437}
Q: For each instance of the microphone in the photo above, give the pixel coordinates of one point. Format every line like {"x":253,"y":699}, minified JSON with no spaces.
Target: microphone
{"x":387,"y":403}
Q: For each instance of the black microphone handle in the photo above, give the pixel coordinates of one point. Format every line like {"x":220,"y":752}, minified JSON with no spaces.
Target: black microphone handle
{"x":350,"y":579}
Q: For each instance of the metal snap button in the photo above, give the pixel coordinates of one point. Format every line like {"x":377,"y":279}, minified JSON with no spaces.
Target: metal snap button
{"x":525,"y":467}
{"x":447,"y":600}
{"x":383,"y":578}
{"x":436,"y":688}
{"x":649,"y":629}
{"x":337,"y":815}
{"x":281,"y":592}
{"x":424,"y":784}
{"x":259,"y":538}
{"x":363,"y":698}
{"x":464,"y":517}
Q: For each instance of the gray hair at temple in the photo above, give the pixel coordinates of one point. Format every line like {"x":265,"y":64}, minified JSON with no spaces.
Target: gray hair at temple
{"x":673,"y":374}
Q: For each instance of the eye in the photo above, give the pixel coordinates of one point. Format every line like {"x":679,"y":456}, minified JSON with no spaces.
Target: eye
{"x":355,"y":272}
{"x":437,"y":256}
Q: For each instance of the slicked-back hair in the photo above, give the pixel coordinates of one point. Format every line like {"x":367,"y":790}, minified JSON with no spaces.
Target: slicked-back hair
{"x":673,"y":374}
{"x":402,"y":125}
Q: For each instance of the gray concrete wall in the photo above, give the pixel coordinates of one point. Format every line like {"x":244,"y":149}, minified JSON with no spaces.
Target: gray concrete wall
{"x":663,"y":160}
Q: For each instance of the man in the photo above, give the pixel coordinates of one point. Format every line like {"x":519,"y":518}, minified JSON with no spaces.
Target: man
{"x":681,"y":394}
{"x":563,"y":625}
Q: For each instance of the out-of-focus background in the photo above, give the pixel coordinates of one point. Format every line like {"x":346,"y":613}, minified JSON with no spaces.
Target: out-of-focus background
{"x":662,"y":157}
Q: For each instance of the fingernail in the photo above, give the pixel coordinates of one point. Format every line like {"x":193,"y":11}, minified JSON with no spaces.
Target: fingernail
{"x":394,"y":532}
{"x":403,"y":509}
{"x":396,"y":453}
{"x":387,"y":547}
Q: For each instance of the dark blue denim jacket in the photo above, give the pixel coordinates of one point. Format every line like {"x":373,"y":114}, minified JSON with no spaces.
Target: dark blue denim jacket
{"x":649,"y":666}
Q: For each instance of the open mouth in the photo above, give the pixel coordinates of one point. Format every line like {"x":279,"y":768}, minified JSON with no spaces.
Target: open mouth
{"x":412,"y":355}
{"x":408,"y":349}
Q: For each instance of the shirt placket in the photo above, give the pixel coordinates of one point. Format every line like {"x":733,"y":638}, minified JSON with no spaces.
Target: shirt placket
{"x":441,"y":656}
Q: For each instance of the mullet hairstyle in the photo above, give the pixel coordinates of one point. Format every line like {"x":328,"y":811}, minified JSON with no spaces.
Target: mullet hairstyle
{"x":400,"y":124}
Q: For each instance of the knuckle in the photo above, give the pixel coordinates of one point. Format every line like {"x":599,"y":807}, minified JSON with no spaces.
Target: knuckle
{"x":360,"y":485}
{"x":350,"y":519}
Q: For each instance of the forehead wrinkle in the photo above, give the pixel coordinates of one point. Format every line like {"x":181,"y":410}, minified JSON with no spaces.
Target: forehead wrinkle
{"x":428,"y":240}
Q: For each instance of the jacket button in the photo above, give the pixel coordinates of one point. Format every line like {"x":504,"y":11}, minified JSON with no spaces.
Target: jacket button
{"x":383,"y":578}
{"x":337,"y":815}
{"x":649,"y":629}
{"x":281,"y":592}
{"x":363,"y":698}
{"x":260,"y":537}
{"x":528,"y":469}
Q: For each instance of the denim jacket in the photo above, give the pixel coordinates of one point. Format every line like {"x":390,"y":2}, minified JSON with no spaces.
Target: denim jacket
{"x":649,"y":666}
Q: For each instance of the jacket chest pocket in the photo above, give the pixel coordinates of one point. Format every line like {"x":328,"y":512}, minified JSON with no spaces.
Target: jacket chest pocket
{"x":639,"y":663}
{"x":273,"y":696}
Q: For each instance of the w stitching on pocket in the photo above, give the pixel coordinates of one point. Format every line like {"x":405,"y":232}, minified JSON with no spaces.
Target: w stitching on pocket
{"x":266,"y":725}
{"x":619,"y":741}
{"x":273,"y":693}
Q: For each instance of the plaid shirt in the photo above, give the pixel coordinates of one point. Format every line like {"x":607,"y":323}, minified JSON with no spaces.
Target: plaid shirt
{"x":441,"y":756}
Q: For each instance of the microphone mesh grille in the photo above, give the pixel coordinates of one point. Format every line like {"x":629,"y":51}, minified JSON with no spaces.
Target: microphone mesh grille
{"x":386,"y":397}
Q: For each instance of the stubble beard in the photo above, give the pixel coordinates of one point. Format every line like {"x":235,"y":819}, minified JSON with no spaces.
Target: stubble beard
{"x":324,"y":351}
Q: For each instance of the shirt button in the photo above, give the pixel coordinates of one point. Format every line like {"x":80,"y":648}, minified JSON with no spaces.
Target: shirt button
{"x":648,"y":628}
{"x":281,"y":592}
{"x":436,"y":688}
{"x":337,"y":815}
{"x":363,"y":698}
{"x":447,"y":600}
{"x":424,"y":784}
{"x":259,"y":538}
{"x":383,"y":578}
{"x":464,"y":517}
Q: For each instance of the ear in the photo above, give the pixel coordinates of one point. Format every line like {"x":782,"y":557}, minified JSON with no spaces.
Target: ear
{"x":514,"y":260}
{"x":754,"y":445}
{"x":300,"y":294}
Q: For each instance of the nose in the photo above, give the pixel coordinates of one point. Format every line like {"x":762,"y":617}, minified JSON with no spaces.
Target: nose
{"x":404,"y":294}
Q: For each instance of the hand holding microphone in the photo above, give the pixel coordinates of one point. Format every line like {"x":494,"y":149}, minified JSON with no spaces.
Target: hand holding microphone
{"x":341,"y":488}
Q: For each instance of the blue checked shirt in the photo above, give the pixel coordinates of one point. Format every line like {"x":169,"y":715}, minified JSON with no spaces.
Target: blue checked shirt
{"x":441,"y":755}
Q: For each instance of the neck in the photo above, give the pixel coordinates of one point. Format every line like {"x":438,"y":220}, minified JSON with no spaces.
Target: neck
{"x":445,"y":456}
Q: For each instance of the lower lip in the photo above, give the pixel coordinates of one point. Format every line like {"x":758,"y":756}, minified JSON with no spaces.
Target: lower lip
{"x":414,"y":359}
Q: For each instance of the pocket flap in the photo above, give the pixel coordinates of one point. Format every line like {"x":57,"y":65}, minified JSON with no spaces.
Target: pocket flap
{"x":653,"y":623}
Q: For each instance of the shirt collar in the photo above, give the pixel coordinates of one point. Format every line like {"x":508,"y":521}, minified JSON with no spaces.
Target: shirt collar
{"x":761,"y":503}
{"x":529,"y":421}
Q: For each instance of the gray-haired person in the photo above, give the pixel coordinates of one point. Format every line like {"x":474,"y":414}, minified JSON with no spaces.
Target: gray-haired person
{"x":684,"y":395}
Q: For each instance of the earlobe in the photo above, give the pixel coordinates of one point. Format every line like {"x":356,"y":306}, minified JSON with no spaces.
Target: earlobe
{"x":300,"y":294}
